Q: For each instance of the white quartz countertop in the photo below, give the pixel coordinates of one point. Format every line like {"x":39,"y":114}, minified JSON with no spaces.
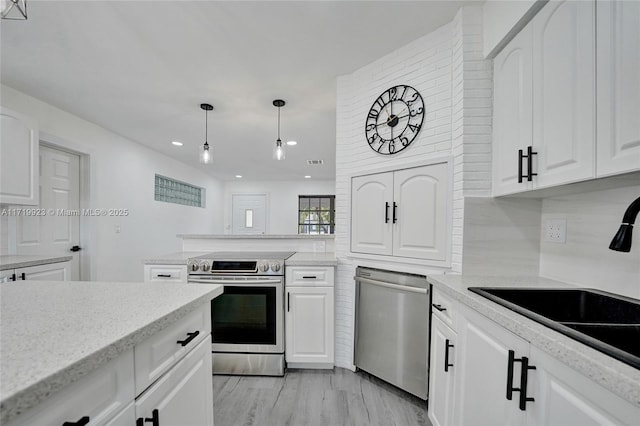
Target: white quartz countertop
{"x":177,"y":258}
{"x":22,"y":261}
{"x":52,"y":333}
{"x":312,"y":259}
{"x":620,"y":378}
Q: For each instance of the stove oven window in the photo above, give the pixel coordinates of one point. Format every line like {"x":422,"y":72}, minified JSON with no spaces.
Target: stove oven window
{"x":245,"y":315}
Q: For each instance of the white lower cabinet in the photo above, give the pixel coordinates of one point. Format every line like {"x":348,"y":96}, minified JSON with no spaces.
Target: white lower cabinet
{"x":309,"y":319}
{"x":442,"y":373}
{"x":165,"y":273}
{"x":498,"y":378}
{"x":184,"y":395}
{"x":140,"y":384}
{"x":60,"y":271}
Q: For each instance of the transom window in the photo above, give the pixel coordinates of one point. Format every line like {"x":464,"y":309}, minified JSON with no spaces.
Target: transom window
{"x":316,"y":214}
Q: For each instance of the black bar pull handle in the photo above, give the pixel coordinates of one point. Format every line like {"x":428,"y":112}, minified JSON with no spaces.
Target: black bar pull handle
{"x":24,"y":276}
{"x":13,"y":277}
{"x":164,"y":275}
{"x":75,"y":248}
{"x":524,"y":378}
{"x":190,"y":337}
{"x":288,"y":301}
{"x":520,"y":157}
{"x":395,"y":208}
{"x":447,"y":345}
{"x":510,"y":389}
{"x":439,"y":307}
{"x":386,"y":212}
{"x":154,"y":419}
{"x":309,"y":277}
{"x":530,"y":155}
{"x":82,"y":422}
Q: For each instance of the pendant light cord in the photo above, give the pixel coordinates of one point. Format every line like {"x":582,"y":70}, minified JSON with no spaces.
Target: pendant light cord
{"x":279,"y":123}
{"x":206,"y":126}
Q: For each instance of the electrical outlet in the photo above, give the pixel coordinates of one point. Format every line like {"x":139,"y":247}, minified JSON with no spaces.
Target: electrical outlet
{"x":555,"y":230}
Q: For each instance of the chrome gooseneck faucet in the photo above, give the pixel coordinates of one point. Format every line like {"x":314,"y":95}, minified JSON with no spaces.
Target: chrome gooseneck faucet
{"x":622,"y":240}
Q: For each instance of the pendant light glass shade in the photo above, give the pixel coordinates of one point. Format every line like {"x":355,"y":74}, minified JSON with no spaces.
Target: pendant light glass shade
{"x":278,"y":148}
{"x":205,"y":153}
{"x":13,"y":9}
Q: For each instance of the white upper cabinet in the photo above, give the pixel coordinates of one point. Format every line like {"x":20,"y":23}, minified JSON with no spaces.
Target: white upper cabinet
{"x":19,"y":143}
{"x":564,"y":92}
{"x":402,"y":213}
{"x":618,"y":87}
{"x":512,"y":119}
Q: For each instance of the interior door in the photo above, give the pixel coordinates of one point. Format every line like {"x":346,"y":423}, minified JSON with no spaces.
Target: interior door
{"x":56,"y":226}
{"x":249,"y":213}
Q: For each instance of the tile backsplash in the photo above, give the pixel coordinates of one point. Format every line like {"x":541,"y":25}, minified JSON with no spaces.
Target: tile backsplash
{"x":592,"y":220}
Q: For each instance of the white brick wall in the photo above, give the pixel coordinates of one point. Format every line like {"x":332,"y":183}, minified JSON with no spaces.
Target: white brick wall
{"x":447,"y":68}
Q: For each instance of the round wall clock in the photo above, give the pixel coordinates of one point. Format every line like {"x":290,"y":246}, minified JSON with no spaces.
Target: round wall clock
{"x":394,"y":120}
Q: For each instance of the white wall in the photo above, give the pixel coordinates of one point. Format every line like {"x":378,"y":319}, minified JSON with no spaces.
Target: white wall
{"x":122,"y":176}
{"x":282,"y":196}
{"x":592,"y":220}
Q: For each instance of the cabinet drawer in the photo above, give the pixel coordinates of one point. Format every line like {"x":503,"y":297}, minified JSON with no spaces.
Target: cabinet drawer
{"x":157,"y":354}
{"x":310,"y":276}
{"x":442,"y":307}
{"x":100,"y":395}
{"x":175,"y":273}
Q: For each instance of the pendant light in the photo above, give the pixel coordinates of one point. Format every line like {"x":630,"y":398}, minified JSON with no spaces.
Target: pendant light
{"x":278,"y":149}
{"x":13,"y":9}
{"x":205,"y":154}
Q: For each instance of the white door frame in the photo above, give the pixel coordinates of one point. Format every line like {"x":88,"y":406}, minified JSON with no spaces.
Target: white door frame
{"x":86,"y":228}
{"x":266,"y":208}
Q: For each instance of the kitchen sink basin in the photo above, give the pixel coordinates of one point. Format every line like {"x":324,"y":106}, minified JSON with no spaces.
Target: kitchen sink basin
{"x":602,"y":320}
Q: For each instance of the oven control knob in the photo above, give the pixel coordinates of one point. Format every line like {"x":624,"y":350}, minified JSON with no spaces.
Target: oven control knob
{"x":275,"y":266}
{"x":193,"y":266}
{"x":263,"y":266}
{"x":204,"y":266}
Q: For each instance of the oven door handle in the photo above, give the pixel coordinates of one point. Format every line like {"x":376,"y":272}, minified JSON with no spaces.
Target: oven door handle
{"x":229,"y":282}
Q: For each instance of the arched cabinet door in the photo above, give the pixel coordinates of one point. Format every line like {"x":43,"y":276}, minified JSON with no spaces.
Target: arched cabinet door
{"x":371,"y":210}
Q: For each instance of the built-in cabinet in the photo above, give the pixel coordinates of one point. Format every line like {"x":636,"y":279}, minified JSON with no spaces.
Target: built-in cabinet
{"x":481,"y":373}
{"x":402,"y":213}
{"x":618,"y":86}
{"x":165,"y":273}
{"x":309,"y":318}
{"x":165,"y":380}
{"x":59,"y":271}
{"x":19,"y":172}
{"x":545,"y":96}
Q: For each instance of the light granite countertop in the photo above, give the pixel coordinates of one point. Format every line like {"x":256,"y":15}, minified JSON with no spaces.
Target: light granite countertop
{"x":177,"y":258}
{"x":22,"y":261}
{"x":52,"y":333}
{"x":620,"y":378}
{"x":258,"y":236}
{"x":312,"y":259}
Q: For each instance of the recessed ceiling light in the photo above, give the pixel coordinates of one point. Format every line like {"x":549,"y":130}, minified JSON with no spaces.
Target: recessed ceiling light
{"x":292,"y":143}
{"x":176,"y":143}
{"x":307,"y":177}
{"x":239,"y":176}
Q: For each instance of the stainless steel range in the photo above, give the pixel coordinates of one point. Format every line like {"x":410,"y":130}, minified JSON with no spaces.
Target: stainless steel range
{"x":248,"y":318}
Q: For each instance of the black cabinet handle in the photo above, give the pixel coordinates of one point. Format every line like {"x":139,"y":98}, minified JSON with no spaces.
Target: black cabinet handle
{"x":190,"y":337}
{"x":82,"y":422}
{"x":386,"y":212}
{"x":520,"y":156}
{"x":530,"y":155}
{"x":288,"y":301}
{"x":154,"y":419}
{"x":164,"y":275}
{"x":447,"y":345}
{"x":309,"y":277}
{"x":439,"y":307}
{"x":24,"y":276}
{"x":13,"y":277}
{"x":75,"y":248}
{"x":524,"y":377}
{"x":395,"y":207}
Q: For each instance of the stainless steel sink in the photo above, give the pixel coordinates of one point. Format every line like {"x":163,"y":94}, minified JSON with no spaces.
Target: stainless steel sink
{"x":602,"y":320}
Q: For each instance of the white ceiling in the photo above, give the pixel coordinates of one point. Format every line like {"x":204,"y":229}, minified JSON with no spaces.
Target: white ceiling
{"x":142,"y":68}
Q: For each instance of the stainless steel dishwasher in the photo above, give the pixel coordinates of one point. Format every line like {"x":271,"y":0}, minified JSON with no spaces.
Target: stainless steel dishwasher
{"x":392,"y":328}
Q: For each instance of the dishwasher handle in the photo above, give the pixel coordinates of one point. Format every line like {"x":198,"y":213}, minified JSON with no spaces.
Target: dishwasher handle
{"x":390,"y":285}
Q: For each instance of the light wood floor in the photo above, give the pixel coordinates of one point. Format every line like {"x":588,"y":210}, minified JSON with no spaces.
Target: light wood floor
{"x":314,"y":397}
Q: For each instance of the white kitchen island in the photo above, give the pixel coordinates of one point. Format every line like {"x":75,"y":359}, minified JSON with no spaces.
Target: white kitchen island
{"x":61,"y":341}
